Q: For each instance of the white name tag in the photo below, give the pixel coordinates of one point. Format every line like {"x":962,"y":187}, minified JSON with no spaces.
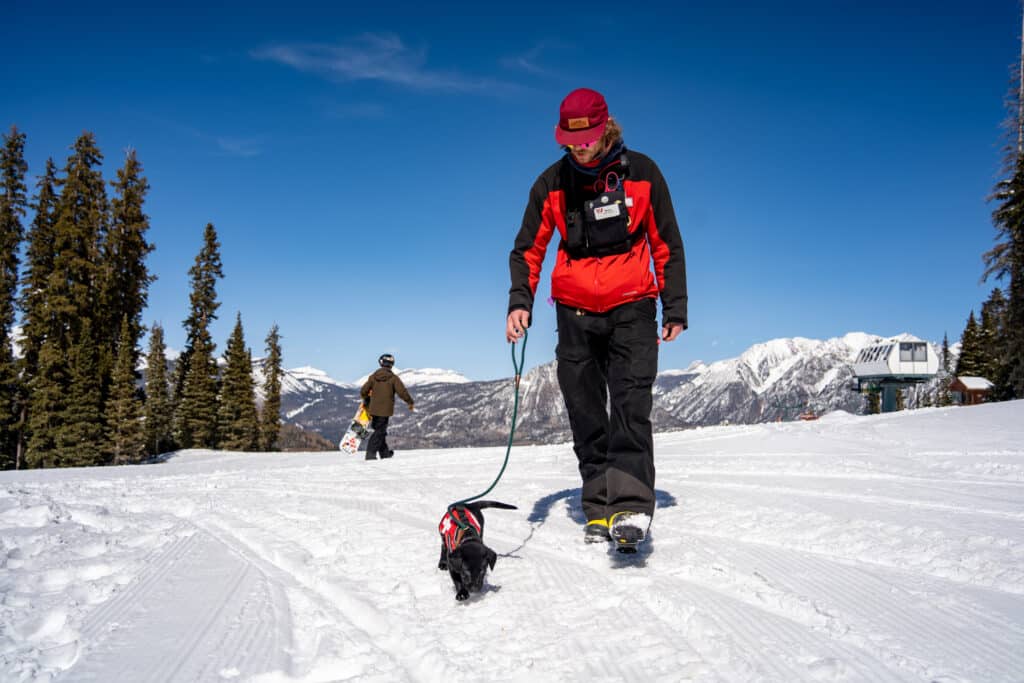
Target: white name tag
{"x":602,"y":212}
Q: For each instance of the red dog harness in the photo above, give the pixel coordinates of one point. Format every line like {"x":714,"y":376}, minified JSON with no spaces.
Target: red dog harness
{"x":454,"y":526}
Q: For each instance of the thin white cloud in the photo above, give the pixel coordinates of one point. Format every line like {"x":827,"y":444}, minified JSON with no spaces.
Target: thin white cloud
{"x":231,"y":146}
{"x":531,"y":60}
{"x":240,"y":147}
{"x":375,"y":57}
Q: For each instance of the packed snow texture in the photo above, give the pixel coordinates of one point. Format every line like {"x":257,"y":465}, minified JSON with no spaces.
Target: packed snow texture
{"x":883,"y":548}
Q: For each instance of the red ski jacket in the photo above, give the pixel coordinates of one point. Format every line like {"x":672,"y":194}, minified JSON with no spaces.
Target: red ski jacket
{"x":600,"y":283}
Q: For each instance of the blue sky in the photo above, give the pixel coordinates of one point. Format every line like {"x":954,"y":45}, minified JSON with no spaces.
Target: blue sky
{"x":366,"y":167}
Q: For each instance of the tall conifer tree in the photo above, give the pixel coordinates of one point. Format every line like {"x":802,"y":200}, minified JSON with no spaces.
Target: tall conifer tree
{"x":39,"y":257}
{"x":993,"y":333}
{"x":945,"y":378}
{"x":82,"y":214}
{"x":158,"y":399}
{"x":239,"y":423}
{"x":270,"y":417}
{"x":1006,"y":259}
{"x":47,"y":404}
{"x":39,"y":264}
{"x":12,"y":208}
{"x":62,"y":395}
{"x":196,"y":387}
{"x":197,"y":411}
{"x":124,"y":276}
{"x":80,"y":440}
{"x":971,"y":362}
{"x":125,"y":438}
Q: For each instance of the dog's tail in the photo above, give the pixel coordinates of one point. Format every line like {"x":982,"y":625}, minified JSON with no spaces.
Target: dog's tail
{"x":494,"y":504}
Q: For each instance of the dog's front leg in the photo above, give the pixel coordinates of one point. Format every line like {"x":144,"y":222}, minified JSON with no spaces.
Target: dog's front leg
{"x":443,"y":562}
{"x":461,"y":589}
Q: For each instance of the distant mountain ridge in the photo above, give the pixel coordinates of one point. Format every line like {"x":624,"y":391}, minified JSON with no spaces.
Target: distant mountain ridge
{"x":774,"y":380}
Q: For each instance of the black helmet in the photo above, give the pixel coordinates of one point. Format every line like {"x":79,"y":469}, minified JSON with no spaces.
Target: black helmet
{"x":386,"y":360}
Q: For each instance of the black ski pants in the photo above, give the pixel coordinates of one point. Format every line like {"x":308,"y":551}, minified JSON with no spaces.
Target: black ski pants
{"x":614,"y":356}
{"x":377,"y":443}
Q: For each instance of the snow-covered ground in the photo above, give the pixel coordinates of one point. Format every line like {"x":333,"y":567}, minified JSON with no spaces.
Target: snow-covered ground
{"x":884,"y":548}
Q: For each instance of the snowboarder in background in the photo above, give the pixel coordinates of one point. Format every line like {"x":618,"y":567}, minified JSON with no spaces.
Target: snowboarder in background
{"x":612,"y":210}
{"x":378,"y":394}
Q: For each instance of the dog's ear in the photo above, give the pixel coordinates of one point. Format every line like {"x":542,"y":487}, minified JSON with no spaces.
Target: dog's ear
{"x":492,"y":557}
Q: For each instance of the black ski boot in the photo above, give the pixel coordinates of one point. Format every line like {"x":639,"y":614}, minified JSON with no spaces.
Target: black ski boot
{"x":628,"y":530}
{"x":596,"y":531}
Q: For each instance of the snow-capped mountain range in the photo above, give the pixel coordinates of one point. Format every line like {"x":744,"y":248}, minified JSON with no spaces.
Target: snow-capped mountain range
{"x":774,"y":380}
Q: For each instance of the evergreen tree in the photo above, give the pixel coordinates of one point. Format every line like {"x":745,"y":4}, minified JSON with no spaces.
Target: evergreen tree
{"x":1006,"y":259}
{"x":197,"y":411}
{"x":125,"y":279}
{"x":80,"y":441}
{"x":993,"y":333}
{"x":47,"y":404}
{"x":125,"y":436}
{"x":71,"y":290}
{"x":239,"y":424}
{"x":12,"y":208}
{"x":158,"y":399}
{"x":945,"y":397}
{"x":39,"y":264}
{"x":191,"y":405}
{"x":61,"y":396}
{"x":35,"y":318}
{"x":971,"y":362}
{"x":270,"y":417}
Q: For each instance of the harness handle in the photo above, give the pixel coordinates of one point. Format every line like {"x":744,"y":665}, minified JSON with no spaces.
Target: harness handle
{"x":517,"y":366}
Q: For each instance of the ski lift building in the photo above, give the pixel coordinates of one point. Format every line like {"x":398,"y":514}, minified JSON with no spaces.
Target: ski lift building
{"x":893,"y":364}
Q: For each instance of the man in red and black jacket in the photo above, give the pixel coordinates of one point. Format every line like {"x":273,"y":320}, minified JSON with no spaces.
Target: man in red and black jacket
{"x":619,"y":251}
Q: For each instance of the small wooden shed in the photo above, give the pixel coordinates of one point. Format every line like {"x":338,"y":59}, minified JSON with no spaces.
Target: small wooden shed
{"x":970,"y":390}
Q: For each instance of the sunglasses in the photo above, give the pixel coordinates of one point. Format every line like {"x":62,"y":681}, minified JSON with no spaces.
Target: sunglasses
{"x":584,"y":146}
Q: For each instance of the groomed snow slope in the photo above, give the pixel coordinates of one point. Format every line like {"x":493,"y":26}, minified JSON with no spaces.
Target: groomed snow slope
{"x":885,"y":548}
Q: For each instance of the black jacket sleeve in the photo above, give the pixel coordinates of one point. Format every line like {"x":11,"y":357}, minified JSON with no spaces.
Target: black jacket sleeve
{"x":527,"y":256}
{"x":673,"y":268}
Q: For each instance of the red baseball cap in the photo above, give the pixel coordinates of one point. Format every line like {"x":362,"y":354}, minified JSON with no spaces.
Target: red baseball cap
{"x":581,"y":118}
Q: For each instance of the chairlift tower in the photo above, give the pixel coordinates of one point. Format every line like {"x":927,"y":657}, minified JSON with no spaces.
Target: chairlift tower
{"x":892,"y":365}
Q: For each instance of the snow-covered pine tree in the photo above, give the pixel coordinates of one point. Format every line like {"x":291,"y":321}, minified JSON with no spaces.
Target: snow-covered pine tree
{"x":239,"y":423}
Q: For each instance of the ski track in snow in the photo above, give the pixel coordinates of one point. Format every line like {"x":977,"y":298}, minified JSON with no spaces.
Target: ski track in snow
{"x":888,"y":548}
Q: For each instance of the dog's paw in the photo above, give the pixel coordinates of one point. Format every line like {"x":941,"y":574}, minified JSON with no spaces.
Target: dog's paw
{"x":463,"y":594}
{"x":442,"y":565}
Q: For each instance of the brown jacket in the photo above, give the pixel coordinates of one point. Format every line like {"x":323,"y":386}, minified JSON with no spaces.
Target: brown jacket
{"x":381,"y":389}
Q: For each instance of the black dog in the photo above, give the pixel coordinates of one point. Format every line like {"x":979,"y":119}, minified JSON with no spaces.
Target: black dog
{"x":463,"y":552}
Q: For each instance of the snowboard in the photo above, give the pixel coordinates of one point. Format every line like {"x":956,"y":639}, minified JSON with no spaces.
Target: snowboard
{"x":357,"y":431}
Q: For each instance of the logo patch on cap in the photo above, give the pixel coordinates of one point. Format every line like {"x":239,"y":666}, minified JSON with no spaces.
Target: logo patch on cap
{"x":581,"y":122}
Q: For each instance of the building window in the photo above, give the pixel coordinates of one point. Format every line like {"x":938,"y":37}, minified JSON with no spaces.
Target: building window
{"x":913,"y":352}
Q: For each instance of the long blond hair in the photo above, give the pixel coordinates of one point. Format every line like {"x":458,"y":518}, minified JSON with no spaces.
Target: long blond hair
{"x":612,"y":133}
